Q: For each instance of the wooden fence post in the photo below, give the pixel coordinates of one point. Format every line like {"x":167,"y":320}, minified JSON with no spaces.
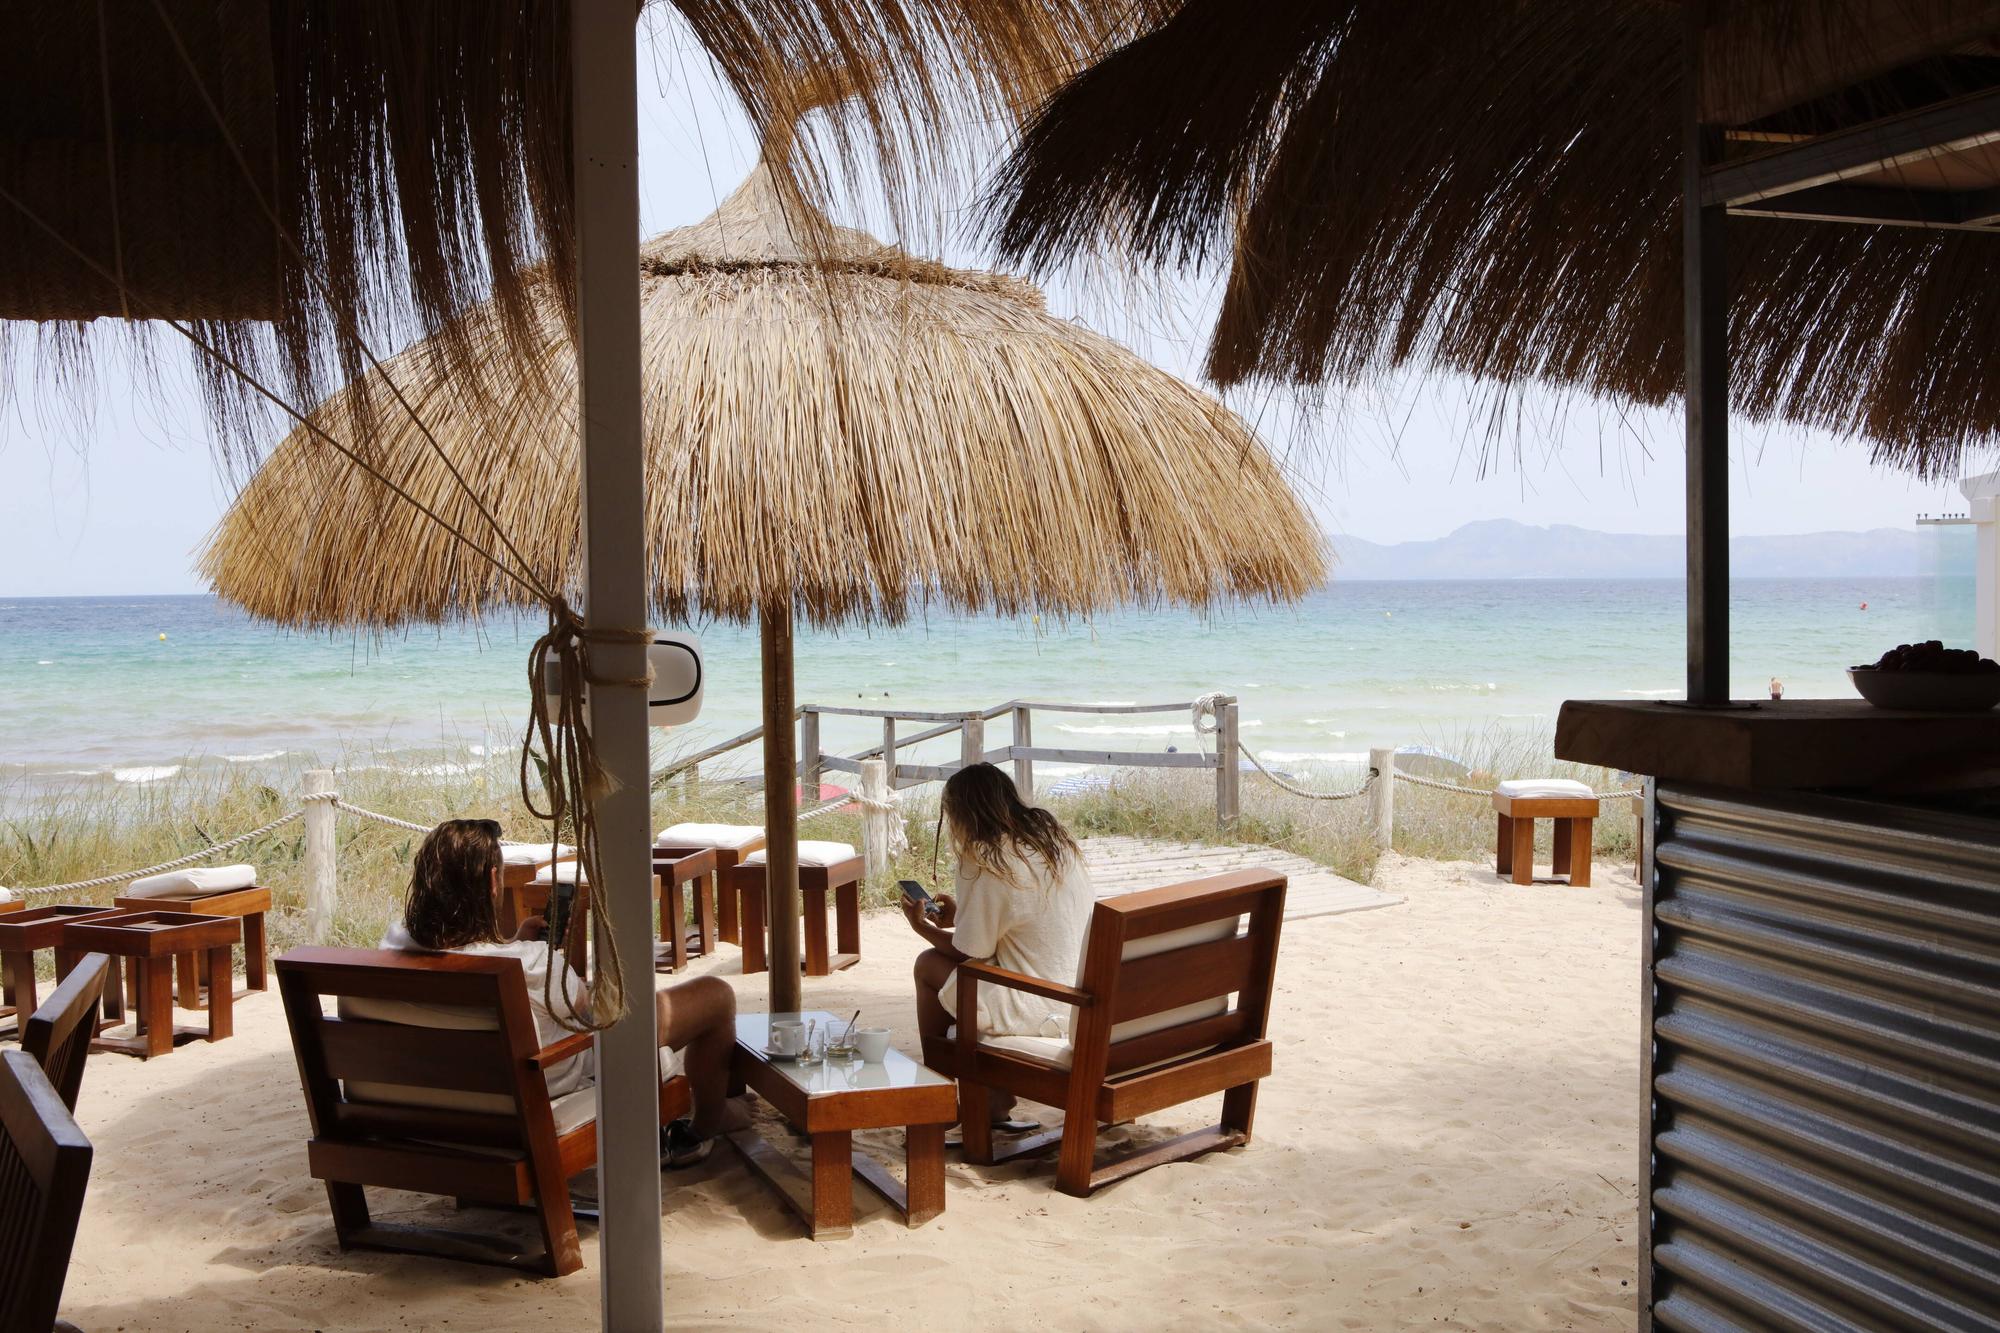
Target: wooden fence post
{"x":1228,"y":770}
{"x":889,"y":748}
{"x":971,"y":742}
{"x":810,"y":771}
{"x":1382,"y":797}
{"x":322,"y":885}
{"x":1024,"y":767}
{"x":876,"y":814}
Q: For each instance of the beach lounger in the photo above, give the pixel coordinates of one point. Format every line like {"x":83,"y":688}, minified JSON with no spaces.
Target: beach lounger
{"x":428,"y":1077}
{"x":1153,"y":1027}
{"x":58,"y":1033}
{"x":44,"y":1170}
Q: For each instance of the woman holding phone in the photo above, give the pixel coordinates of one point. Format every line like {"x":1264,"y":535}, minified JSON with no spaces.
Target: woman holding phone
{"x":453,"y":906}
{"x":1023,"y":901}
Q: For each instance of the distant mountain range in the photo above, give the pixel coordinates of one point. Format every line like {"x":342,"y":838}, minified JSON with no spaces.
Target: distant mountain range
{"x":1500,"y":548}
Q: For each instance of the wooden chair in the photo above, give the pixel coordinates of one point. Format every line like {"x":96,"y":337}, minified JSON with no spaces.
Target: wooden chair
{"x":1153,"y":1027}
{"x":58,"y":1034}
{"x":44,"y":1170}
{"x":429,"y":1077}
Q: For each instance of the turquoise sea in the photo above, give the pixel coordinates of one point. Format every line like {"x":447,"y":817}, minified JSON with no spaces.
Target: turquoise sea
{"x":140,"y":689}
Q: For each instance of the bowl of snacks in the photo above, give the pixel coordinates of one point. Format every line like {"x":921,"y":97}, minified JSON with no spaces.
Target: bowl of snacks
{"x":1929,"y":677}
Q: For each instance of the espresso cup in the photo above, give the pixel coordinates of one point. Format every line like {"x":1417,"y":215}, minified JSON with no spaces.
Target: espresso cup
{"x":788,"y":1038}
{"x":873,"y":1043}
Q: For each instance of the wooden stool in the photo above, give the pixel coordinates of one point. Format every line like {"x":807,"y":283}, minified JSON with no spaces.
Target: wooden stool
{"x":1570,"y":805}
{"x":828,"y":872}
{"x":147,"y":943}
{"x":25,"y":931}
{"x":672,"y":875}
{"x":517,"y":874}
{"x":534,"y":901}
{"x":730,"y":843}
{"x":249,"y":905}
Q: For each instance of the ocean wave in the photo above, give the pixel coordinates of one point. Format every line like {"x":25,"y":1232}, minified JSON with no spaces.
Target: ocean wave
{"x":255,"y":758}
{"x":1672,"y":692}
{"x":439,"y":770}
{"x":1314,"y":756}
{"x":146,"y":773}
{"x":1139,"y":729}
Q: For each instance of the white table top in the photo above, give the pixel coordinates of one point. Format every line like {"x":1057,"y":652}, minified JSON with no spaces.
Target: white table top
{"x":896,"y":1070}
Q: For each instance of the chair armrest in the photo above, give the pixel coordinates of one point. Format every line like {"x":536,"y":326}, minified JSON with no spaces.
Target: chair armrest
{"x":971,"y":972}
{"x":575,"y":1044}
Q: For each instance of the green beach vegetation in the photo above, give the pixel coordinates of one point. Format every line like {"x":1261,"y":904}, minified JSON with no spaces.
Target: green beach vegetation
{"x":59,"y":834}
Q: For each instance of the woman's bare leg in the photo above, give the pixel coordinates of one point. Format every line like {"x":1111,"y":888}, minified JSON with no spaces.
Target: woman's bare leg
{"x":698,"y":1018}
{"x":934,"y":968}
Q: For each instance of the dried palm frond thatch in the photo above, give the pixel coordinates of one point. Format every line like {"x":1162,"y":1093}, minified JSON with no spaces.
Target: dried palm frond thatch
{"x":1491,"y":188}
{"x":292,"y":173}
{"x":833,"y":427}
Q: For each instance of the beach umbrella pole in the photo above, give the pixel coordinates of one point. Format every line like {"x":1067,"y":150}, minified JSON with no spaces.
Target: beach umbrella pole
{"x":781,"y":809}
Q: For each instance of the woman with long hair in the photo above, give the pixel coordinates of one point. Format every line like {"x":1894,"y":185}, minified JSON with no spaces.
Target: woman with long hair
{"x":1023,"y":901}
{"x":453,"y":907}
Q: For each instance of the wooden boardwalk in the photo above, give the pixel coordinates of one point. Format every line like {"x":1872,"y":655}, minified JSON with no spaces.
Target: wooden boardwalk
{"x":1122,"y":865}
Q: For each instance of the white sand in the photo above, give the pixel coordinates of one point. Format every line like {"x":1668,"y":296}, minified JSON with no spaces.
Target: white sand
{"x":1449,"y":1141}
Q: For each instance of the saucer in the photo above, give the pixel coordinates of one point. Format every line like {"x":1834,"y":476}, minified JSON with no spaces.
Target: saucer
{"x":771,"y":1054}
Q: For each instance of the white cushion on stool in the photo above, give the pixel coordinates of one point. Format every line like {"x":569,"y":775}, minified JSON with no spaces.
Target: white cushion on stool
{"x":188,"y":883}
{"x":812,"y":854}
{"x":566,"y":872}
{"x":1561,"y":788}
{"x":533,"y":853}
{"x":726,"y":836}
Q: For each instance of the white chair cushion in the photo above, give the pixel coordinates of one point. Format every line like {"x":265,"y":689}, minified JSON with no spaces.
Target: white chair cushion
{"x":1515,"y":788}
{"x":189,"y":883}
{"x":566,"y":872}
{"x":8,"y":895}
{"x":812,"y":854}
{"x":730,"y":836}
{"x":1053,"y":1049}
{"x":534,"y":853}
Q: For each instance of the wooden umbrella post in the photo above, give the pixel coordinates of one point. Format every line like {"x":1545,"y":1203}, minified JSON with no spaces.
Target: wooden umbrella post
{"x":781,"y":810}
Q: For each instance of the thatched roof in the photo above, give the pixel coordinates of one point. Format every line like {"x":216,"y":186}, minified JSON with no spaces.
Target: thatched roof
{"x":1492,"y":189}
{"x":289,"y":170}
{"x":840,"y":428}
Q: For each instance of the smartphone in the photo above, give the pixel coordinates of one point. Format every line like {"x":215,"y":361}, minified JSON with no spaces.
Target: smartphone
{"x":561,"y":898}
{"x":916,"y":893}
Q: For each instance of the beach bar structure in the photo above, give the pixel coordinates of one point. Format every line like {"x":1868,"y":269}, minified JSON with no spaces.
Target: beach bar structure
{"x":1780,"y":209}
{"x":1821,"y":1003}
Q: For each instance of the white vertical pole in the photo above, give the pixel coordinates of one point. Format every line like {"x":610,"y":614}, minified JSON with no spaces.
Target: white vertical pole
{"x":1382,"y":797}
{"x":322,"y":886}
{"x":604,"y":89}
{"x":1024,"y":768}
{"x":875,"y":821}
{"x":1228,"y":769}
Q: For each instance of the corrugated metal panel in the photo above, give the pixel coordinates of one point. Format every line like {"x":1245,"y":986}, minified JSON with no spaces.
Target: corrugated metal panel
{"x":1824,"y":1118}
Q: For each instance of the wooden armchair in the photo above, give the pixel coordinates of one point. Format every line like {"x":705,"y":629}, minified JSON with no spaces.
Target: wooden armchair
{"x":58,"y":1033}
{"x":44,"y":1169}
{"x":1153,"y":1027}
{"x":429,"y":1077}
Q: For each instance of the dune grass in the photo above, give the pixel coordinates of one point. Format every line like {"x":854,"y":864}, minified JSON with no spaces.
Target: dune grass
{"x":50,"y":836}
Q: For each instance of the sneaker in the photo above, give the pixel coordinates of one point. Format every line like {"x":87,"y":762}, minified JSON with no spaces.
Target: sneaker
{"x":681,"y":1147}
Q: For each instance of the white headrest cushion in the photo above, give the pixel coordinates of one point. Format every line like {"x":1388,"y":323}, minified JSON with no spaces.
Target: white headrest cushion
{"x":188,"y":883}
{"x":812,"y":854}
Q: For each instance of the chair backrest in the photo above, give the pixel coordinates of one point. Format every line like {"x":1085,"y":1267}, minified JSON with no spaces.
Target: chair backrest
{"x":1164,"y":965}
{"x":58,"y":1033}
{"x":423,"y":1046}
{"x":44,"y":1169}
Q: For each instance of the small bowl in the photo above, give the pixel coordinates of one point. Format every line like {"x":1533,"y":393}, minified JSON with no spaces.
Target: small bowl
{"x":1927,"y":691}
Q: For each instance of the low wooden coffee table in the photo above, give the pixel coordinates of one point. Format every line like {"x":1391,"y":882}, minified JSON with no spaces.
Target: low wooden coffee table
{"x":830,"y":1103}
{"x":250,"y":904}
{"x":23,"y":934}
{"x":148,"y":942}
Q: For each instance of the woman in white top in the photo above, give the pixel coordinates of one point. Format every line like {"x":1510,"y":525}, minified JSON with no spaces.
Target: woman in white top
{"x":453,"y":907}
{"x":1023,"y":903}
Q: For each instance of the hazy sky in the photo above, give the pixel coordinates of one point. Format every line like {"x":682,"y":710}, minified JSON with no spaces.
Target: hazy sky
{"x":120,"y":506}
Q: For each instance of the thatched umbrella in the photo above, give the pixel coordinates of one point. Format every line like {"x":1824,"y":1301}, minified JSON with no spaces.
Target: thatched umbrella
{"x":1493,"y":189}
{"x":835,"y":431}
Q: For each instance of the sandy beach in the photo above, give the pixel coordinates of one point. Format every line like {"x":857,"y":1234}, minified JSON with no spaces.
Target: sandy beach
{"x":1449,"y":1141}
